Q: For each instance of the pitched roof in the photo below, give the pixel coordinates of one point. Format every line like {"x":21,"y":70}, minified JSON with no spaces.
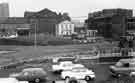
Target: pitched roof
{"x":43,"y":13}
{"x":65,"y":22}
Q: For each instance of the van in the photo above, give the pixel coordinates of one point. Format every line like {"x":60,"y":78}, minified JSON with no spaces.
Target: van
{"x":123,"y":67}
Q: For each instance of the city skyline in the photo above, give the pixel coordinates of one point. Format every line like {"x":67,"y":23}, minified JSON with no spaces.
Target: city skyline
{"x":77,"y":9}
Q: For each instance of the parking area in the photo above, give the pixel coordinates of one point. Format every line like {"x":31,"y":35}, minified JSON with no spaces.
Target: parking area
{"x":101,"y":70}
{"x":23,"y":53}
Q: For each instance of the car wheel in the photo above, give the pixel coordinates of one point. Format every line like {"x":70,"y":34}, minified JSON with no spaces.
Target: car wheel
{"x":87,"y":78}
{"x":60,"y":71}
{"x":67,"y":78}
{"x":118,"y":75}
{"x":73,"y":81}
{"x":37,"y":80}
{"x":57,"y":72}
{"x":132,"y":74}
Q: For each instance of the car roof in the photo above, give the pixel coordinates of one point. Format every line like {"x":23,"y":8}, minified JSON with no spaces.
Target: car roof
{"x":127,"y":60}
{"x":79,"y":68}
{"x":66,"y":62}
{"x":33,"y":69}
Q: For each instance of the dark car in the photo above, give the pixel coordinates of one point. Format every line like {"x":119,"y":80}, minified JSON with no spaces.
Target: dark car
{"x":124,"y":67}
{"x":31,"y":75}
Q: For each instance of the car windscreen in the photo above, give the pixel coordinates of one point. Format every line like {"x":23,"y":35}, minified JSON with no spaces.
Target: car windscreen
{"x":79,"y":69}
{"x":69,"y":64}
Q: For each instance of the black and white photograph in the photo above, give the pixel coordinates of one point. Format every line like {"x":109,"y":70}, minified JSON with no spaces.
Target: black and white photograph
{"x":67,"y":41}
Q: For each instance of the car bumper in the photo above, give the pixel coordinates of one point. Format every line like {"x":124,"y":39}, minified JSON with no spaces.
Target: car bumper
{"x":92,"y":76}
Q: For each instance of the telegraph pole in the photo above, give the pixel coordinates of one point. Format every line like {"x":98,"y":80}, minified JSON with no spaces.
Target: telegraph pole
{"x":35,"y":36}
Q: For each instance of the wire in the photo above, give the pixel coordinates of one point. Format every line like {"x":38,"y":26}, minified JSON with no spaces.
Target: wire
{"x":80,"y":17}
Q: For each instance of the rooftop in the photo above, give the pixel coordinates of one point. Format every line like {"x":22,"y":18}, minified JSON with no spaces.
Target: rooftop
{"x":13,"y":20}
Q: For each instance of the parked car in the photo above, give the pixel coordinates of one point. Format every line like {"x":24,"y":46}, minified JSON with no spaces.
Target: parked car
{"x":124,"y":67}
{"x":31,"y":75}
{"x":65,"y":65}
{"x":78,"y":73}
{"x":69,"y":57}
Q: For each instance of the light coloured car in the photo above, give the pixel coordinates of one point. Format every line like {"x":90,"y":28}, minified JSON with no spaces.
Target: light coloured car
{"x":65,"y":65}
{"x":78,"y":73}
{"x":132,"y":74}
{"x":31,"y":75}
{"x":85,"y":41}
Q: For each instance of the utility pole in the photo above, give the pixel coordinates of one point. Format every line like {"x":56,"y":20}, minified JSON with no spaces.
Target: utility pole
{"x":35,"y":36}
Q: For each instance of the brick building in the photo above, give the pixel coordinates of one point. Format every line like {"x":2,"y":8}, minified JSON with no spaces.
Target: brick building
{"x":13,"y":25}
{"x":45,"y":20}
{"x":110,"y":23}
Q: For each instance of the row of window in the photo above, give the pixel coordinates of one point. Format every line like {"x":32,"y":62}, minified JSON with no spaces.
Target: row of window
{"x":66,"y":26}
{"x":66,"y":33}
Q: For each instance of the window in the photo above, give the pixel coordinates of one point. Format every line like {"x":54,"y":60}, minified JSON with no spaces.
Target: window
{"x":82,"y":70}
{"x":126,"y":65}
{"x":25,"y":73}
{"x":119,"y":64}
{"x":64,"y":65}
{"x":75,"y":70}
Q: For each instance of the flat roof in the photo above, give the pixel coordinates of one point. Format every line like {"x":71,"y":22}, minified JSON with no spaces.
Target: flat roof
{"x":22,"y":28}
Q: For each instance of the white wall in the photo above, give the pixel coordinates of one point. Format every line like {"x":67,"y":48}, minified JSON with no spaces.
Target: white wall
{"x":65,"y":29}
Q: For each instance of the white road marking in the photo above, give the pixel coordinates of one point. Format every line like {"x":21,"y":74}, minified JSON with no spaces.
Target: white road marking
{"x":2,"y":52}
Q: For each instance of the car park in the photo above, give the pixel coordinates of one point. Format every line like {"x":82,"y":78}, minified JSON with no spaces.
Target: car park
{"x":64,"y":65}
{"x":78,"y":73}
{"x":31,"y":75}
{"x":124,"y":67}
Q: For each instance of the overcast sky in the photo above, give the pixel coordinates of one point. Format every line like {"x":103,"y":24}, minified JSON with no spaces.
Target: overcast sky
{"x":75,"y":8}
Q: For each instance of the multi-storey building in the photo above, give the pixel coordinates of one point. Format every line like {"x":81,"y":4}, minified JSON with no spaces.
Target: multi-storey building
{"x":4,"y":10}
{"x":110,"y":23}
{"x":13,"y":25}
